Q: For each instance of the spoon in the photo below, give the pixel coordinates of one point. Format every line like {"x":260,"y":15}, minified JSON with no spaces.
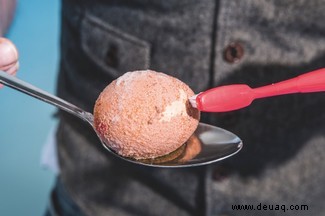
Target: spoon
{"x":208,"y":144}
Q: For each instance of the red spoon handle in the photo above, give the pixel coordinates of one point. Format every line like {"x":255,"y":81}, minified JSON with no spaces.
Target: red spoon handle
{"x":310,"y":82}
{"x":232,"y":97}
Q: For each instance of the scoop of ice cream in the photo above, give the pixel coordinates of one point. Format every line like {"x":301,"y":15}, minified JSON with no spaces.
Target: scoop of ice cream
{"x":145,"y":114}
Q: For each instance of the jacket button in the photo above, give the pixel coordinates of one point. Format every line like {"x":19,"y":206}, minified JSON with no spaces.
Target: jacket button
{"x":111,"y":56}
{"x":233,"y":52}
{"x":220,"y":173}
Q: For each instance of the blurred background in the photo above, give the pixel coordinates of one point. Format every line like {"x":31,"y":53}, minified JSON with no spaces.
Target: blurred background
{"x":25,"y":121}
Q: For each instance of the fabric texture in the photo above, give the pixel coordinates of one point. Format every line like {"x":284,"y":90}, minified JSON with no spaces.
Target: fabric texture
{"x":60,"y":203}
{"x":281,"y":162}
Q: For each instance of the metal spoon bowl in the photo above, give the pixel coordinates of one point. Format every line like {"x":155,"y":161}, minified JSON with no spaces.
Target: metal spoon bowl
{"x":208,"y":144}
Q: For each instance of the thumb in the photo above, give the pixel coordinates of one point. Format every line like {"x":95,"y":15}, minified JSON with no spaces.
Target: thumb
{"x":8,"y":56}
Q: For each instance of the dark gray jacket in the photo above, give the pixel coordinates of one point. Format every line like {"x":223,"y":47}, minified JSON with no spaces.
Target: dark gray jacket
{"x":204,"y":43}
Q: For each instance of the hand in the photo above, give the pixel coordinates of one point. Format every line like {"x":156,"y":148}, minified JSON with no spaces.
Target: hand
{"x":8,"y":57}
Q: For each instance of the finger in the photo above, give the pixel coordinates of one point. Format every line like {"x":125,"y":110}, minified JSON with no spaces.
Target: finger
{"x":8,"y":56}
{"x":12,"y":68}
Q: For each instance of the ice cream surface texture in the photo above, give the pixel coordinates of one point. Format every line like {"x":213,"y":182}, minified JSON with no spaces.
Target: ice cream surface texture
{"x":145,"y":114}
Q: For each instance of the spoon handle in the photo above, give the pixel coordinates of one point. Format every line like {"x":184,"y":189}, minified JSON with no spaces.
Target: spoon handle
{"x":237,"y":96}
{"x":40,"y":94}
